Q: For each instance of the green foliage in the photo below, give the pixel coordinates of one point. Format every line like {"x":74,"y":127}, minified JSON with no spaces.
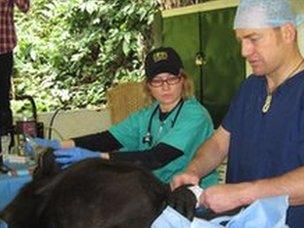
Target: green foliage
{"x":70,"y":52}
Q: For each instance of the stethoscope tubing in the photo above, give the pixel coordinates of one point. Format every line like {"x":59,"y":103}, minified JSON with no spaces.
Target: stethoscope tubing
{"x":148,"y":137}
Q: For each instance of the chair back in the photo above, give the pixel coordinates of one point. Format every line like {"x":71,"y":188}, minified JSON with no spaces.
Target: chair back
{"x":124,"y":99}
{"x":222,"y":170}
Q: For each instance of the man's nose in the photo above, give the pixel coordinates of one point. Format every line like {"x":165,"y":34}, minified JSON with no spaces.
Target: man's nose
{"x":247,"y":48}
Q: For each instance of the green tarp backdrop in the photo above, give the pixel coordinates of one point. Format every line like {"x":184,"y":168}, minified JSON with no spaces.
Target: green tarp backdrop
{"x":211,"y":35}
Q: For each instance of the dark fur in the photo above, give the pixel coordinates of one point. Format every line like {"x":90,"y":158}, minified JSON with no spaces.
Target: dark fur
{"x":91,"y":193}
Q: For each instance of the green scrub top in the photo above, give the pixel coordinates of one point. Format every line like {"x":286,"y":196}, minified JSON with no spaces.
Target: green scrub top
{"x":192,"y":127}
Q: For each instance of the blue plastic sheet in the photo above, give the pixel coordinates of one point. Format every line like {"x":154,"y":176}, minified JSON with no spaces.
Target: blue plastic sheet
{"x":266,"y":213}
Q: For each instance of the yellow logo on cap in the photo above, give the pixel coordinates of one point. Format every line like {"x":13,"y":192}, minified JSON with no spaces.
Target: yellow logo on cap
{"x":160,"y":56}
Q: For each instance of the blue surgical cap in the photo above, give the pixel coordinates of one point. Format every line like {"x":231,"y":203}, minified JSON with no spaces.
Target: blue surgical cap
{"x":268,"y":13}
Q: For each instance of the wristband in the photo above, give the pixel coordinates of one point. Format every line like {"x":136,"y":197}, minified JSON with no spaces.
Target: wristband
{"x":197,"y":191}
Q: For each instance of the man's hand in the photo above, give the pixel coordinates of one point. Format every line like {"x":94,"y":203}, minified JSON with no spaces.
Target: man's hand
{"x":225,"y":197}
{"x":184,"y":179}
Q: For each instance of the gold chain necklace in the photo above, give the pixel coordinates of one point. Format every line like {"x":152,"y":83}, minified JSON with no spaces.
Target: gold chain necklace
{"x":268,"y":98}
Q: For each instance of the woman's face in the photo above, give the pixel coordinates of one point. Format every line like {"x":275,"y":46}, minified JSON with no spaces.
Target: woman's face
{"x":167,"y":89}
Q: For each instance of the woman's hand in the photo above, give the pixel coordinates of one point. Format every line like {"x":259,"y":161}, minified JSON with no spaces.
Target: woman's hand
{"x":66,"y":157}
{"x":29,"y":145}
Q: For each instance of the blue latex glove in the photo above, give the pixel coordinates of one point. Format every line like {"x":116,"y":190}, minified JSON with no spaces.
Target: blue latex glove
{"x":29,"y":146}
{"x":66,"y":157}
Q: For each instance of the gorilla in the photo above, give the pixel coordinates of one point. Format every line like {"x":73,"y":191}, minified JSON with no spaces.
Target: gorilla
{"x":91,"y":193}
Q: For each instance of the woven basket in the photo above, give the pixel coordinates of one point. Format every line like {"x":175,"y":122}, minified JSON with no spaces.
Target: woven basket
{"x":222,"y":170}
{"x":124,"y":99}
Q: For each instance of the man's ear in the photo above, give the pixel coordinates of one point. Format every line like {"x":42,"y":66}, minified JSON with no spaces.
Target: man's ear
{"x":289,"y":33}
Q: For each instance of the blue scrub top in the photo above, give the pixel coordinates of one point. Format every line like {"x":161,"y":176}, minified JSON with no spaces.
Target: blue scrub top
{"x":271,"y":144}
{"x":192,"y":127}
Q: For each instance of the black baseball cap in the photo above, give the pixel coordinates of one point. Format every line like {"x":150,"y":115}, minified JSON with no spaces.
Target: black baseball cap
{"x":162,"y":60}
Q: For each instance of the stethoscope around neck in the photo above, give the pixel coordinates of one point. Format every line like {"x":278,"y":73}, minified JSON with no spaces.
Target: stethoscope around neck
{"x":148,"y":138}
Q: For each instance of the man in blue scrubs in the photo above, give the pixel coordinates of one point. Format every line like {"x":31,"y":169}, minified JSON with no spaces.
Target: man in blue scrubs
{"x":263,"y":131}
